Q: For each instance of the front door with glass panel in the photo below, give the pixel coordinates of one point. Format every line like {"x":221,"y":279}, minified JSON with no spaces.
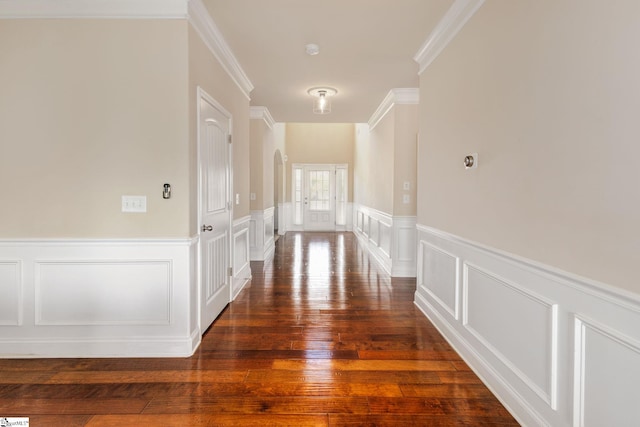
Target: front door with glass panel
{"x":319,"y":197}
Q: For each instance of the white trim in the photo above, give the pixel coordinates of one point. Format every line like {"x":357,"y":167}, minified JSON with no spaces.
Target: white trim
{"x":262,"y":113}
{"x":451,"y":23}
{"x":381,"y":235}
{"x":455,"y":310}
{"x":60,"y":9}
{"x":125,"y":346}
{"x":241,"y":266}
{"x":480,"y":367}
{"x":11,"y":302}
{"x":621,"y":297}
{"x":522,"y":330}
{"x":550,"y":395}
{"x":97,"y":242}
{"x":67,"y":326}
{"x":407,"y":96}
{"x":582,"y":323}
{"x":262,"y":238}
{"x":207,"y":29}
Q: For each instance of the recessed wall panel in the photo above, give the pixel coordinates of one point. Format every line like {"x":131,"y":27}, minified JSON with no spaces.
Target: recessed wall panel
{"x":517,"y":326}
{"x":439,"y":276}
{"x":608,"y":370}
{"x":10,"y":290}
{"x":103,"y":292}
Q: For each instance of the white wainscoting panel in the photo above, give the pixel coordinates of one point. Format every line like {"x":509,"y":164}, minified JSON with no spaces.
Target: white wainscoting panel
{"x":241,"y":258}
{"x":390,"y":240}
{"x":526,"y":343}
{"x":100,"y":298}
{"x":557,"y":349}
{"x":103,"y":292}
{"x":262,"y":241}
{"x":442,"y":282}
{"x":607,"y":368}
{"x":11,"y":291}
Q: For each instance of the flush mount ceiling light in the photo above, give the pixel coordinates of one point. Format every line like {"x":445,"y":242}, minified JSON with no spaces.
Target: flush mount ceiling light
{"x":322,"y":103}
{"x":312,"y":49}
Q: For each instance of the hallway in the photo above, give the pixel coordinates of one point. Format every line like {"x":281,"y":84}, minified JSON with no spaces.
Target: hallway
{"x":321,"y":336}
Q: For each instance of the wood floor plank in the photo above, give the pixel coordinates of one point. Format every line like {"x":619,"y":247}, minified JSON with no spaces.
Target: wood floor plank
{"x":28,"y":407}
{"x":299,"y":389}
{"x":310,"y":341}
{"x":257,"y":405}
{"x":59,"y":420}
{"x":364,"y":365}
{"x":208,"y":420}
{"x":409,"y":354}
{"x":101,"y":377}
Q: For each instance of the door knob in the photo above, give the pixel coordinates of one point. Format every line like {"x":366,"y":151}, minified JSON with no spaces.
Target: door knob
{"x":207,"y":227}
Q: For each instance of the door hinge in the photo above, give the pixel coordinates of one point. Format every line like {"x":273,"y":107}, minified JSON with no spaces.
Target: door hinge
{"x":230,"y":271}
{"x":229,"y":139}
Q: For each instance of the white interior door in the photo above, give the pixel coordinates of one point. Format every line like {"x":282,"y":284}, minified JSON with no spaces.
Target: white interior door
{"x":319,"y":197}
{"x":215,"y":210}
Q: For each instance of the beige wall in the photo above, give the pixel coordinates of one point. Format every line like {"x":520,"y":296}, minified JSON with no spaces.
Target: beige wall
{"x":319,"y":143}
{"x":385,"y":158}
{"x":404,"y":159}
{"x":268,"y":152}
{"x":262,"y":171}
{"x":206,"y":72}
{"x":375,"y":166}
{"x":92,"y":110}
{"x":256,"y":136}
{"x":547,"y":93}
{"x":279,"y":140}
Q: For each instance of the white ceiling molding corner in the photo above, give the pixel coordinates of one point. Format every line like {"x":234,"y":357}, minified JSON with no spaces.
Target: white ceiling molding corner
{"x":395,"y":96}
{"x":108,"y":9}
{"x":262,"y":113}
{"x":208,"y":30}
{"x":450,"y":24}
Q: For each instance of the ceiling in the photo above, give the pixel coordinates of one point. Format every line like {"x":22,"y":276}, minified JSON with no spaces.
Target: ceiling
{"x":366,"y":49}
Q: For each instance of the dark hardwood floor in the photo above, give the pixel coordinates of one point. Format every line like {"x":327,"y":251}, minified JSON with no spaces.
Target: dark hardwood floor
{"x":320,"y":337}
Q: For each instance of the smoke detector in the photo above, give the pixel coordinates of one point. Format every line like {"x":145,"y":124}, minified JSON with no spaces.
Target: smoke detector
{"x":312,"y":49}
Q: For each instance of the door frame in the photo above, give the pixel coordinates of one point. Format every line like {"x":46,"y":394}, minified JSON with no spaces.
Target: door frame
{"x":202,"y":95}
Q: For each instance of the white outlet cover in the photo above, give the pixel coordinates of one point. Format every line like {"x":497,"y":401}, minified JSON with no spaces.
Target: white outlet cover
{"x":406,"y":199}
{"x":237,"y":198}
{"x":135,"y":204}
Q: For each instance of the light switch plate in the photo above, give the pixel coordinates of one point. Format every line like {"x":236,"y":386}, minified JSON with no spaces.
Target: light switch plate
{"x":237,"y":198}
{"x":407,"y":185}
{"x":134,"y":204}
{"x":252,"y":196}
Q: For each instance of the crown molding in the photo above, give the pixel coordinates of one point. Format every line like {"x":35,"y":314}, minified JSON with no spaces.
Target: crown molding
{"x":408,"y":96}
{"x":133,"y":9}
{"x":262,"y":113}
{"x":204,"y":25}
{"x":450,"y":24}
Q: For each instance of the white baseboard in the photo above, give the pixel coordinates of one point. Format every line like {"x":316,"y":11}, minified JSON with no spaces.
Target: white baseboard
{"x":389,"y":239}
{"x":98,"y":298}
{"x":556,"y":349}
